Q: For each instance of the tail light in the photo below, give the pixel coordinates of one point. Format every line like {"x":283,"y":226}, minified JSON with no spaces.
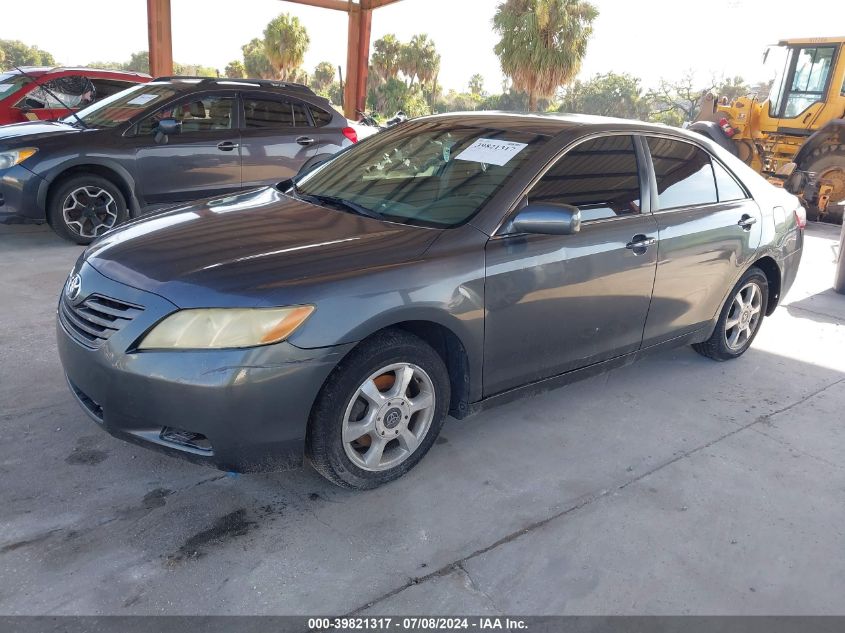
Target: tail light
{"x":350,"y":133}
{"x":726,"y":127}
{"x":800,"y":216}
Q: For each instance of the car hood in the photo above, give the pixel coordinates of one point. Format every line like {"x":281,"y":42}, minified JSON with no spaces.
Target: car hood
{"x":36,"y":130}
{"x":256,"y":248}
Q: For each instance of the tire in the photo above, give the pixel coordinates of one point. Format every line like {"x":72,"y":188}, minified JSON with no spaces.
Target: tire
{"x":719,"y":346}
{"x":84,"y":207}
{"x":342,"y":410}
{"x":829,"y":163}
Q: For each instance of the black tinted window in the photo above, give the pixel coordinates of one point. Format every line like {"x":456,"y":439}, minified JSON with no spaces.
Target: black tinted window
{"x":202,"y":114}
{"x":684,"y":174}
{"x":271,"y":113}
{"x":321,"y":117}
{"x":598,"y":176}
{"x":728,"y":188}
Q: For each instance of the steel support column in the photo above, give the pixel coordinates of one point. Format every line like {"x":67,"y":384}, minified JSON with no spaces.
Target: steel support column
{"x":160,"y":37}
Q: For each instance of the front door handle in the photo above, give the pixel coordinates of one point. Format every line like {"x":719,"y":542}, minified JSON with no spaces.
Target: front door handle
{"x":746,"y":221}
{"x":227,"y":146}
{"x":640,"y":243}
{"x":305,"y":140}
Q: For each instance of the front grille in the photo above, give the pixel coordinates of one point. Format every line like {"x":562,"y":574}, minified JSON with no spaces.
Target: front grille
{"x":94,"y":320}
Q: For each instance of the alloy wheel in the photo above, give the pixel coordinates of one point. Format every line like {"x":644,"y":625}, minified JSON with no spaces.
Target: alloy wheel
{"x":388,"y":417}
{"x":744,"y":316}
{"x":89,"y":211}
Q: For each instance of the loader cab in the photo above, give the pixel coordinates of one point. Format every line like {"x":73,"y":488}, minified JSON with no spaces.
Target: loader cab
{"x":804,"y":73}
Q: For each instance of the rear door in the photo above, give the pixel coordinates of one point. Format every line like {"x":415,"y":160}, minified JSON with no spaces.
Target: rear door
{"x":277,"y":135}
{"x":709,"y":230}
{"x":203,"y":160}
{"x":559,"y":302}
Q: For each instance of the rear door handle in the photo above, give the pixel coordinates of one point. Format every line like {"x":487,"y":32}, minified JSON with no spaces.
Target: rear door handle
{"x":746,"y":221}
{"x":640,"y":242}
{"x":227,"y":146}
{"x":305,"y":140}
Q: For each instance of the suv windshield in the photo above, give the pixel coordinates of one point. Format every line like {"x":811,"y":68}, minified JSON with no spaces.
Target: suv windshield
{"x":10,"y":83}
{"x":432,"y":173}
{"x":122,"y":106}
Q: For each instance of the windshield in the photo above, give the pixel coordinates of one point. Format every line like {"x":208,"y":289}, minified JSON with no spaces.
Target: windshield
{"x":10,"y":83}
{"x":805,"y":72}
{"x":434,"y":173}
{"x":122,"y":106}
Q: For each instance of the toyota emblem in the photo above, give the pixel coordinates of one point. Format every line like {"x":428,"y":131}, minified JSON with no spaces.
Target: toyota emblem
{"x":73,"y":286}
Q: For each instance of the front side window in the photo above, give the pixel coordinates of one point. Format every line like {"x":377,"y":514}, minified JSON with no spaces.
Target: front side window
{"x":598,"y":176}
{"x":436,"y":173}
{"x":273,"y":113}
{"x":73,"y":91}
{"x":683,"y":172}
{"x":122,"y":106}
{"x":201,"y":114}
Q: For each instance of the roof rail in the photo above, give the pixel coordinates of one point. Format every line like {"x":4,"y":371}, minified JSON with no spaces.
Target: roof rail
{"x":267,"y":83}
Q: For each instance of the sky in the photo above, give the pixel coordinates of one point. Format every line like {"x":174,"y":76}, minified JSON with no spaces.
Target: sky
{"x":646,"y":38}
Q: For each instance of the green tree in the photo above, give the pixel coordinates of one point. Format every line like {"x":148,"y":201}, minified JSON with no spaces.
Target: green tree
{"x":323,"y":77}
{"x":138,"y":62}
{"x":107,"y":65}
{"x":609,"y":94}
{"x":732,"y":88}
{"x":285,"y":43}
{"x":677,"y":101}
{"x":16,"y":53}
{"x":476,"y":84}
{"x":542,"y":43}
{"x":194,"y":70}
{"x":387,"y":56}
{"x":256,"y":63}
{"x":235,"y":69}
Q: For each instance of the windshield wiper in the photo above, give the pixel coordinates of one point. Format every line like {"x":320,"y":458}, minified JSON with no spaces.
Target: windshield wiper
{"x":339,"y":202}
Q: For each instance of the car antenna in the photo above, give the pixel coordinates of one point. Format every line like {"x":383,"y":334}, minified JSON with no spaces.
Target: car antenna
{"x":51,"y":93}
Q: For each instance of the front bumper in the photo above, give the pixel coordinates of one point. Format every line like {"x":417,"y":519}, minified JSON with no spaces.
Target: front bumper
{"x":251,"y":406}
{"x":19,"y":189}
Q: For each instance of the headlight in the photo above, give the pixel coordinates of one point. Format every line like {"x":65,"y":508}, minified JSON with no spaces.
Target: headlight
{"x":15,"y":156}
{"x":216,"y":328}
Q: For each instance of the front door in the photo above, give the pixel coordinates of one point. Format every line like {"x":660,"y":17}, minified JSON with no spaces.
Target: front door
{"x":277,"y":136}
{"x":203,"y":160}
{"x":709,"y":230}
{"x":557,"y":303}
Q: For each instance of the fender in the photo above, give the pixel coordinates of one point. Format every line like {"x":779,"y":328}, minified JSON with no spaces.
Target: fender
{"x":128,"y":183}
{"x":712,"y":131}
{"x":832,"y":133}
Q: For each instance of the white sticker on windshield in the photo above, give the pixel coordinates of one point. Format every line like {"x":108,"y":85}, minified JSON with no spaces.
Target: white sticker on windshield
{"x":492,"y":151}
{"x":142,"y":99}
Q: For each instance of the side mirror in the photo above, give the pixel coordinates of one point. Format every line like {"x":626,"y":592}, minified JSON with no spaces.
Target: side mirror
{"x":546,"y":218}
{"x":165,"y":128}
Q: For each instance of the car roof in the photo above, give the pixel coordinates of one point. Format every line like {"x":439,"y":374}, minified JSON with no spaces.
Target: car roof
{"x":191,"y":81}
{"x":37,"y":71}
{"x":551,"y":124}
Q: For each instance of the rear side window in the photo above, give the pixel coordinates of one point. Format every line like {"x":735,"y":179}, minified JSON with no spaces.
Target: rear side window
{"x":684,"y":174}
{"x":321,"y":117}
{"x":272,"y":113}
{"x":598,"y":176}
{"x":727,"y":187}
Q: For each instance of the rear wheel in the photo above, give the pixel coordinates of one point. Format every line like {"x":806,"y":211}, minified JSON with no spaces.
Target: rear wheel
{"x":379,"y":412}
{"x":740,"y":318}
{"x":84,"y":207}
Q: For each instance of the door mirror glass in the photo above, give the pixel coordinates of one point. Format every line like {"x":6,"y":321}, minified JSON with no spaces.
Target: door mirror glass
{"x":547,"y":219}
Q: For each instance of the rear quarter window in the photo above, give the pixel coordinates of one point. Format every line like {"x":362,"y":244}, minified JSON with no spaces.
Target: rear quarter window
{"x":320,"y":116}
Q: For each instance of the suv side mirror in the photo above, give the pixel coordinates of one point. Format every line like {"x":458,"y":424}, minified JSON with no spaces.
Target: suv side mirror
{"x":546,"y":218}
{"x":165,"y":128}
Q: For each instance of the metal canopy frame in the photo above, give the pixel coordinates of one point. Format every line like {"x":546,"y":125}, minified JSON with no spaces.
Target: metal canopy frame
{"x":357,"y":50}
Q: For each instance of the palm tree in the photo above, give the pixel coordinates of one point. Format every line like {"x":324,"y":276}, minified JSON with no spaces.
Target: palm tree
{"x":386,"y":56}
{"x":285,"y":43}
{"x":542,"y":43}
{"x":427,"y":59}
{"x":476,"y":84}
{"x":323,"y":76}
{"x":256,"y":64}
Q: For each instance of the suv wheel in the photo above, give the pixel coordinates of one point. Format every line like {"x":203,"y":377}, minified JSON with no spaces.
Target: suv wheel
{"x":84,"y":207}
{"x":379,"y":412}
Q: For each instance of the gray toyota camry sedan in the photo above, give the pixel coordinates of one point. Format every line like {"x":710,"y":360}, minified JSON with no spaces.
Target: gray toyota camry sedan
{"x":448,"y":264}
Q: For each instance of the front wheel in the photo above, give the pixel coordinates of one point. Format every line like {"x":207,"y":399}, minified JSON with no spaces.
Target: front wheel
{"x":740,"y":318}
{"x":84,"y":207}
{"x":379,"y":412}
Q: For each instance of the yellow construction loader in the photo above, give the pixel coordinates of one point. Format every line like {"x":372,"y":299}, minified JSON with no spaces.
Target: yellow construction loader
{"x":795,"y":135}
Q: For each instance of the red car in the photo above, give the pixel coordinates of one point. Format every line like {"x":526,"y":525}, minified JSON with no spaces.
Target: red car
{"x":31,"y":95}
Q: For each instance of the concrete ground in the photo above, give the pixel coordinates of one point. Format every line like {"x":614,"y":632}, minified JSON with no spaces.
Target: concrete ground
{"x":676,"y":485}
